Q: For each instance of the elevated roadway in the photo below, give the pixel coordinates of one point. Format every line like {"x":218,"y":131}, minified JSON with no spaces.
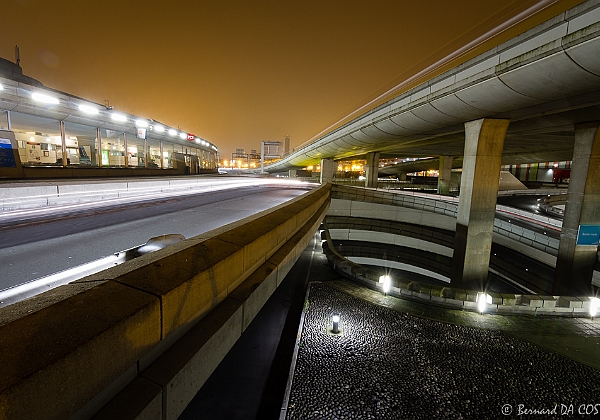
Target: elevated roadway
{"x":544,"y":81}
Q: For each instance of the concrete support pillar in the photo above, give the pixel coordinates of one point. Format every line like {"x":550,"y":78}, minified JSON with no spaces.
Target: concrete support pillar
{"x":98,"y":147}
{"x":162,"y":158}
{"x":146,"y":152}
{"x":575,"y":262}
{"x":401,"y":176}
{"x":63,"y":144}
{"x":327,"y":170}
{"x":445,"y":177}
{"x":262,"y":157}
{"x":126,"y":151}
{"x":484,"y":141}
{"x":372,"y":170}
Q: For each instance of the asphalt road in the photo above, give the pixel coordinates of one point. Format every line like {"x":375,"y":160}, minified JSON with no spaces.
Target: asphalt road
{"x":35,"y":248}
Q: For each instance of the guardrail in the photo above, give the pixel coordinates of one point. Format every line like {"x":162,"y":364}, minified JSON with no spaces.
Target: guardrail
{"x":141,"y":338}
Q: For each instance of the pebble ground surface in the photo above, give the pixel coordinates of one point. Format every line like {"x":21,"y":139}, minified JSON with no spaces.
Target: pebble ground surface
{"x":391,"y":365}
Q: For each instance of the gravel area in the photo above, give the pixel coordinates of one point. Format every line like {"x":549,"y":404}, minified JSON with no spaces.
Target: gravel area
{"x":390,"y":365}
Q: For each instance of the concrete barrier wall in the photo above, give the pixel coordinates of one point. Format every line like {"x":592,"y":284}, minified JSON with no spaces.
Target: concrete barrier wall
{"x":141,"y":338}
{"x":14,"y":196}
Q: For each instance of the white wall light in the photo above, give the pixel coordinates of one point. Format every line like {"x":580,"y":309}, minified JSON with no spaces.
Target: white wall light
{"x":40,"y":97}
{"x":88,"y":109}
{"x":183,"y":136}
{"x":159,"y":128}
{"x":141,"y":123}
{"x":118,"y":117}
{"x":172,"y":132}
{"x":1,"y":87}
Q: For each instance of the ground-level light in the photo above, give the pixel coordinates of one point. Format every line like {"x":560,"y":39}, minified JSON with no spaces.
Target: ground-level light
{"x":335,"y":320}
{"x":594,"y":305}
{"x":483,"y":299}
{"x":387,"y":283}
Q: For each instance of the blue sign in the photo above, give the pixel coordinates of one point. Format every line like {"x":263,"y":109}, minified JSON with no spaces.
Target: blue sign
{"x":588,"y":235}
{"x":7,"y":157}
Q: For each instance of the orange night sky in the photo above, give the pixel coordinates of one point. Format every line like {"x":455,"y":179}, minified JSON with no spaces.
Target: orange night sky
{"x":239,"y":72}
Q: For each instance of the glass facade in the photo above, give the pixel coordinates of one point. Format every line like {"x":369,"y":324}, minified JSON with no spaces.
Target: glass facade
{"x":40,"y":143}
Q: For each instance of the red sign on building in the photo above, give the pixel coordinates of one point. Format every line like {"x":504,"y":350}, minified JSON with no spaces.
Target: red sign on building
{"x":191,"y":137}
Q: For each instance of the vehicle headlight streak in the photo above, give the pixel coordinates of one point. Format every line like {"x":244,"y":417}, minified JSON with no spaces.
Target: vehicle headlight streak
{"x":34,"y":287}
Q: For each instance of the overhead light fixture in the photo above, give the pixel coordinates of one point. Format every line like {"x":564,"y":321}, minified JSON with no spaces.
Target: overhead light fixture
{"x":172,"y":132}
{"x":118,"y":117}
{"x":141,"y":123}
{"x":88,"y":109}
{"x":183,"y":135}
{"x":40,"y":97}
{"x":159,"y":128}
{"x":1,"y":87}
